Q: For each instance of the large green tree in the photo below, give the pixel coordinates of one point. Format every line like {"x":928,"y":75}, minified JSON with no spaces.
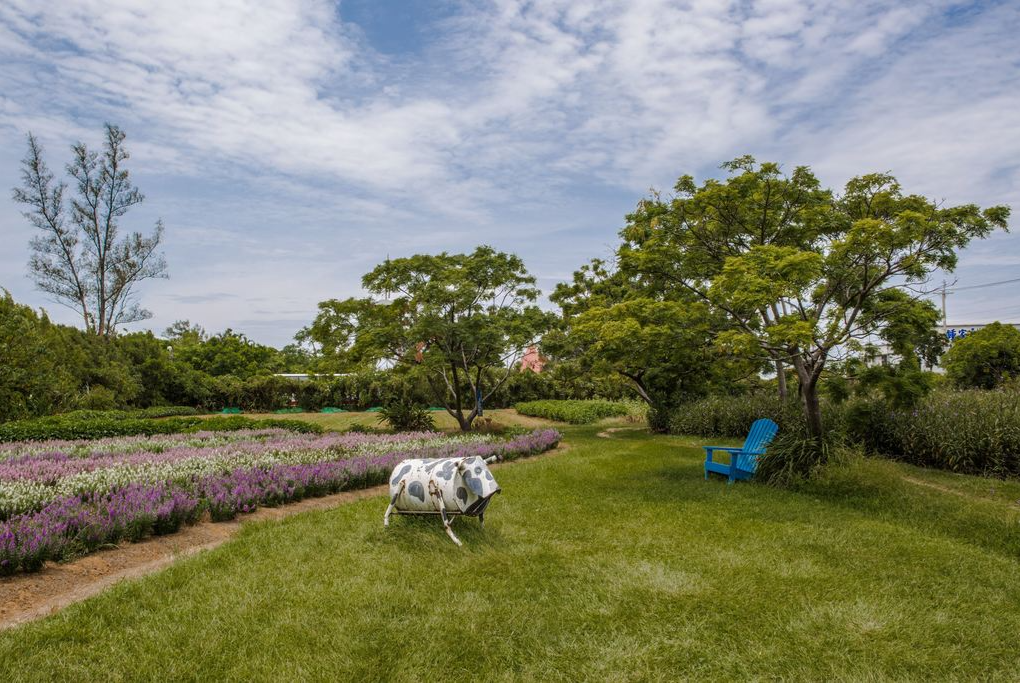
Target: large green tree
{"x":660,"y":341}
{"x":226,"y":353}
{"x":986,"y":358}
{"x":801,"y":271}
{"x":457,"y":316}
{"x":34,"y":380}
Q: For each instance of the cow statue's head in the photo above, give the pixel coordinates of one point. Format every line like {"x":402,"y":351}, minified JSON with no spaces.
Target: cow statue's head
{"x":478,"y":480}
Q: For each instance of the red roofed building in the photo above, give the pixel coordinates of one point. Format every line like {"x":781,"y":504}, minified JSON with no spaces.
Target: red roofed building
{"x":532,"y":360}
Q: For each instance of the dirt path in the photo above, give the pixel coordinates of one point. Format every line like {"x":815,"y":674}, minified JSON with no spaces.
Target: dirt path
{"x":608,"y":433}
{"x":24,"y":597}
{"x":957,"y":492}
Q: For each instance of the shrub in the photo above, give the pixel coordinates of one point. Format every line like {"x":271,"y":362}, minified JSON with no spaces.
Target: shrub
{"x":407,"y":416}
{"x":732,"y":416}
{"x":153,"y":412}
{"x":166,"y":411}
{"x":486,"y":425}
{"x":574,"y":412}
{"x":986,"y":358}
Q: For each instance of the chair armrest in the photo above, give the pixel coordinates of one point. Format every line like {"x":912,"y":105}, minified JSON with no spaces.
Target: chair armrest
{"x":728,"y":449}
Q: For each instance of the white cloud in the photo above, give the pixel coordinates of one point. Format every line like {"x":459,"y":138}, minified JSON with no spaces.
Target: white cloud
{"x":506,"y":127}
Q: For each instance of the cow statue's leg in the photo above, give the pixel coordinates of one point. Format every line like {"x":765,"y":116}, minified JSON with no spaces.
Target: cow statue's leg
{"x":393,"y":501}
{"x":481,"y":520}
{"x":447,"y":521}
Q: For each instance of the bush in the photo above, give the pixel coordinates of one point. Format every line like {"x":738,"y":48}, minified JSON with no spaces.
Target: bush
{"x":153,"y":412}
{"x":407,"y":416}
{"x":574,"y":412}
{"x":986,"y":358}
{"x":732,"y":416}
{"x":486,"y":425}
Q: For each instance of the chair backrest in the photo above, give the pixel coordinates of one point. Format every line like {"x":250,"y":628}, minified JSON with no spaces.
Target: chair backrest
{"x":761,"y":434}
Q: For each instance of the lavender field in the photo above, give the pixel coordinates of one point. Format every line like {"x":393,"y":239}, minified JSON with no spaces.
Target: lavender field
{"x":61,"y":499}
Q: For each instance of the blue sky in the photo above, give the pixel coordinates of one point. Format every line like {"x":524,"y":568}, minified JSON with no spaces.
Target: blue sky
{"x":290,"y":145}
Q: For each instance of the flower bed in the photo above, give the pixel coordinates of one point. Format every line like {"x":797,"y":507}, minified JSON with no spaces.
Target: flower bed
{"x":67,"y":502}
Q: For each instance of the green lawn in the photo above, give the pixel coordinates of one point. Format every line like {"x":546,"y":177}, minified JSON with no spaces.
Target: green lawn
{"x":613,"y":560}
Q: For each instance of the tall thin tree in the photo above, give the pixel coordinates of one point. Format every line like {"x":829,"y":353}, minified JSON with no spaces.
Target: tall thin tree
{"x":79,"y":257}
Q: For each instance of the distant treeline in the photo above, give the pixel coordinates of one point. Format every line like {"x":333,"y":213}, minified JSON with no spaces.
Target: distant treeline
{"x":49,"y":368}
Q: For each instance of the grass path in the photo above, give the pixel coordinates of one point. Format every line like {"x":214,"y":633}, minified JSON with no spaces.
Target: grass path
{"x":614,"y":560}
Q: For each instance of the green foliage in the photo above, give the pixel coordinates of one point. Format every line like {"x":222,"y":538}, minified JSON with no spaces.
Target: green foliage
{"x":986,"y":358}
{"x":732,"y":416}
{"x":79,"y":257}
{"x":96,"y":426}
{"x":902,"y":385}
{"x":797,"y":269}
{"x":971,"y":431}
{"x":456,"y":316}
{"x":32,"y":379}
{"x":792,"y":457}
{"x":407,"y":416}
{"x":228,"y":353}
{"x":153,"y":412}
{"x":660,"y":341}
{"x":574,"y":412}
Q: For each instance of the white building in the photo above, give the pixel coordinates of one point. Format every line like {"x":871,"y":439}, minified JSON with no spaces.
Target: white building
{"x":883,"y":354}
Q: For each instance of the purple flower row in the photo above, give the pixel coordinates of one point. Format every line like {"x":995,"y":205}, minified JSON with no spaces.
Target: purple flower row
{"x":79,"y":524}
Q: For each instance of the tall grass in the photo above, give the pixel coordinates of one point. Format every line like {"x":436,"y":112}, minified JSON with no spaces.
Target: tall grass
{"x":732,"y":416}
{"x":971,"y":431}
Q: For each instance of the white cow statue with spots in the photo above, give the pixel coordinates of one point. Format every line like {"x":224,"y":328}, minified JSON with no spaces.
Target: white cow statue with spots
{"x":444,"y":487}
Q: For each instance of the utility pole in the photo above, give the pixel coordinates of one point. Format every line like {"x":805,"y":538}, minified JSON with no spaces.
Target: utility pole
{"x":944,"y":321}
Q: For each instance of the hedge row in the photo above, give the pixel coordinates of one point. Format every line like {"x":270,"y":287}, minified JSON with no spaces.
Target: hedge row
{"x":574,"y":412}
{"x":70,"y":426}
{"x":153,"y":412}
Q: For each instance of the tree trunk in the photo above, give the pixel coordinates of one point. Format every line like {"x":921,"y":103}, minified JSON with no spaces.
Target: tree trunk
{"x":812,"y":408}
{"x":781,"y":378}
{"x":807,"y":387}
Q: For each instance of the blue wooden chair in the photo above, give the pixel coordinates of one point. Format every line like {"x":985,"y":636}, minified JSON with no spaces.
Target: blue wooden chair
{"x":743,"y":460}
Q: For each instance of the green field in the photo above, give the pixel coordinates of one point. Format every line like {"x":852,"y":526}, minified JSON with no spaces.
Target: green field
{"x":611,"y":560}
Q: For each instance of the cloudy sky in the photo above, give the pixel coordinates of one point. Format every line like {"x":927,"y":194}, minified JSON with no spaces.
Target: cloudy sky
{"x":290,"y":145}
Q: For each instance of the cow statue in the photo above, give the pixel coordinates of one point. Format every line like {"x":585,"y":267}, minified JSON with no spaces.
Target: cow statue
{"x":442,"y":486}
